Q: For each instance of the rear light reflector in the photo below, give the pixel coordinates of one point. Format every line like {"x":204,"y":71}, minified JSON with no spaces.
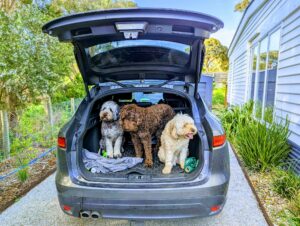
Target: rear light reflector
{"x":219,"y":140}
{"x":61,"y":142}
{"x":66,"y":208}
{"x":215,"y":208}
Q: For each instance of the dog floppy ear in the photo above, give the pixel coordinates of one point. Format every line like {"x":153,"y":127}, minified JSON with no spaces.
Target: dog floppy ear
{"x":117,"y":112}
{"x":173,"y":130}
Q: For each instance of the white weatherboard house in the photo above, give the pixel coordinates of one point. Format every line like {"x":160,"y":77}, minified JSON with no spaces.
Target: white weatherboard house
{"x":264,"y":64}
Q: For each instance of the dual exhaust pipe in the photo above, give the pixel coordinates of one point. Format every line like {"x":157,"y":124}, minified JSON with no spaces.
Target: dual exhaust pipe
{"x":90,"y":214}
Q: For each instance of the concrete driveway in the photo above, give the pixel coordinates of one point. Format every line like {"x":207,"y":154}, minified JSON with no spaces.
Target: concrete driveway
{"x":40,"y":207}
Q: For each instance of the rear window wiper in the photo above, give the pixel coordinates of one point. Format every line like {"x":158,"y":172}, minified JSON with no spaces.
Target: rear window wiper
{"x":165,"y":82}
{"x":119,"y":83}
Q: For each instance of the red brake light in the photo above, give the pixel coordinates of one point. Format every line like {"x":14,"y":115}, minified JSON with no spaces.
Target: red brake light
{"x":67,"y":208}
{"x":219,"y":140}
{"x":215,"y":208}
{"x":61,"y":142}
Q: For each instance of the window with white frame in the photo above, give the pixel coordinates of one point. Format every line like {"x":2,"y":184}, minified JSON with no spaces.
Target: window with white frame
{"x":263,"y":75}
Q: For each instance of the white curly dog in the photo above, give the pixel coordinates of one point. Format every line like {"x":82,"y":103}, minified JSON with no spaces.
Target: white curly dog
{"x":111,"y":130}
{"x":175,"y":141}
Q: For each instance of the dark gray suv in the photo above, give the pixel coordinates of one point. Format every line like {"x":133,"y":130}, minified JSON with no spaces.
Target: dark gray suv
{"x":141,"y":56}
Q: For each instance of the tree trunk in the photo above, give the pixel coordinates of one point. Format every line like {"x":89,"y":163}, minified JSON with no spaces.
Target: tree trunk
{"x":5,"y":134}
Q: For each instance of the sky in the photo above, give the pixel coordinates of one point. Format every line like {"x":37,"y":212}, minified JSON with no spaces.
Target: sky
{"x":223,"y":9}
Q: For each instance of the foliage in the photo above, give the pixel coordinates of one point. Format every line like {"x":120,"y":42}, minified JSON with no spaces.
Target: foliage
{"x":61,"y":7}
{"x":261,"y":145}
{"x":216,"y":58}
{"x":72,"y":87}
{"x":286,"y":183}
{"x":23,"y":174}
{"x":294,"y":209}
{"x":33,"y":130}
{"x":234,"y":116}
{"x":242,"y":5}
{"x":31,"y":64}
{"x":218,"y":96}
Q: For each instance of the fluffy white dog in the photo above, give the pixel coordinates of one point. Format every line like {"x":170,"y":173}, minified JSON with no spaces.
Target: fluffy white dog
{"x":111,"y":130}
{"x":175,"y":141}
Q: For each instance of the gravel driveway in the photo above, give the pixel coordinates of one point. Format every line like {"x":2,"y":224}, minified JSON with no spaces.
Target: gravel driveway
{"x":40,"y":207}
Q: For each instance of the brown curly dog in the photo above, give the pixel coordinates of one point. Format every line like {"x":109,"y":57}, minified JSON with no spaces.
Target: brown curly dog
{"x":142,"y":123}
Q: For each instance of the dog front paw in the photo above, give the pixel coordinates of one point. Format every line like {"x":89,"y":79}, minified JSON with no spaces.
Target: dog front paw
{"x":167,"y":170}
{"x":148,"y":163}
{"x":117,"y":155}
{"x":110,"y":155}
{"x":182,"y":165}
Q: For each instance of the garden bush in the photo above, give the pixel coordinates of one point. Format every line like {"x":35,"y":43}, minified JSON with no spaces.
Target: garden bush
{"x":234,"y":116}
{"x":262,"y":145}
{"x":286,"y":183}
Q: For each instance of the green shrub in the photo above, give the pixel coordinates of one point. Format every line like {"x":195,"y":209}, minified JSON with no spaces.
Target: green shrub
{"x":237,"y":115}
{"x":286,"y":183}
{"x":23,"y":174}
{"x":292,"y":215}
{"x":261,"y":145}
{"x":218,"y":96}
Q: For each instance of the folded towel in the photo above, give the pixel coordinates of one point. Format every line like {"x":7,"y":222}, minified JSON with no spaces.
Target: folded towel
{"x":99,"y":164}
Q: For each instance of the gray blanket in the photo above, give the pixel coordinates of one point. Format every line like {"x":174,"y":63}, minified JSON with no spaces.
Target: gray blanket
{"x":99,"y":164}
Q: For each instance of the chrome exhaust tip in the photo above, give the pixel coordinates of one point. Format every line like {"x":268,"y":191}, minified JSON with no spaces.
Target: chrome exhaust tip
{"x":85,"y":214}
{"x":95,"y":215}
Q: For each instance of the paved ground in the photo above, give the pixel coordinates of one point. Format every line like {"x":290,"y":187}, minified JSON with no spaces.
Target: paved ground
{"x":40,"y":207}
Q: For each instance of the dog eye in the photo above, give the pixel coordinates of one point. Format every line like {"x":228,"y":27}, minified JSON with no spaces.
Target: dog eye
{"x":110,"y":110}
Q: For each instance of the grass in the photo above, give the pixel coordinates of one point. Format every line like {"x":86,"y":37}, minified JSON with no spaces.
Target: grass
{"x":293,"y":216}
{"x":286,"y":183}
{"x":23,"y":175}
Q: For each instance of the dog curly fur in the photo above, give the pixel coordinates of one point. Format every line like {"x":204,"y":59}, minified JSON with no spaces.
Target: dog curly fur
{"x":142,"y":123}
{"x":175,"y":141}
{"x":111,"y":130}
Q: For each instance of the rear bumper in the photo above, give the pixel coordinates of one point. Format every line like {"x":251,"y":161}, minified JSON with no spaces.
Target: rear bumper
{"x":144,"y":210}
{"x":143,"y":204}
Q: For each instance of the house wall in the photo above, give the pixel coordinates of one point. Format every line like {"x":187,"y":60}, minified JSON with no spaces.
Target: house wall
{"x":260,"y":18}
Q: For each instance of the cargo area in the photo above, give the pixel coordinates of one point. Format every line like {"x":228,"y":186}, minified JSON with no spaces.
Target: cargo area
{"x":92,"y":135}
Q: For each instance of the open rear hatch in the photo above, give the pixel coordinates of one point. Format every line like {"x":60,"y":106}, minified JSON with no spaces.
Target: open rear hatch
{"x":93,"y":33}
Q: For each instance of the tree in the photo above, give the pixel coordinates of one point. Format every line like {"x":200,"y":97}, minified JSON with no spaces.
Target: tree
{"x":32,"y":64}
{"x":216,"y":59}
{"x":242,"y":5}
{"x":63,"y":7}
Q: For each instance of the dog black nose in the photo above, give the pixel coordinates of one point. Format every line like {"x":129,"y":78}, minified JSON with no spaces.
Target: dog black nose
{"x":193,"y":130}
{"x":104,"y":114}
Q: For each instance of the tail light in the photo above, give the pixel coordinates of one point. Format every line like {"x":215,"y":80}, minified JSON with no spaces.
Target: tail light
{"x":215,"y":208}
{"x":219,"y":140}
{"x":61,"y":142}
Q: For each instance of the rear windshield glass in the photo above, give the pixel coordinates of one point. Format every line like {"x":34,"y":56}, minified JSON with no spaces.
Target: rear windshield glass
{"x":139,"y":97}
{"x":138,"y":51}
